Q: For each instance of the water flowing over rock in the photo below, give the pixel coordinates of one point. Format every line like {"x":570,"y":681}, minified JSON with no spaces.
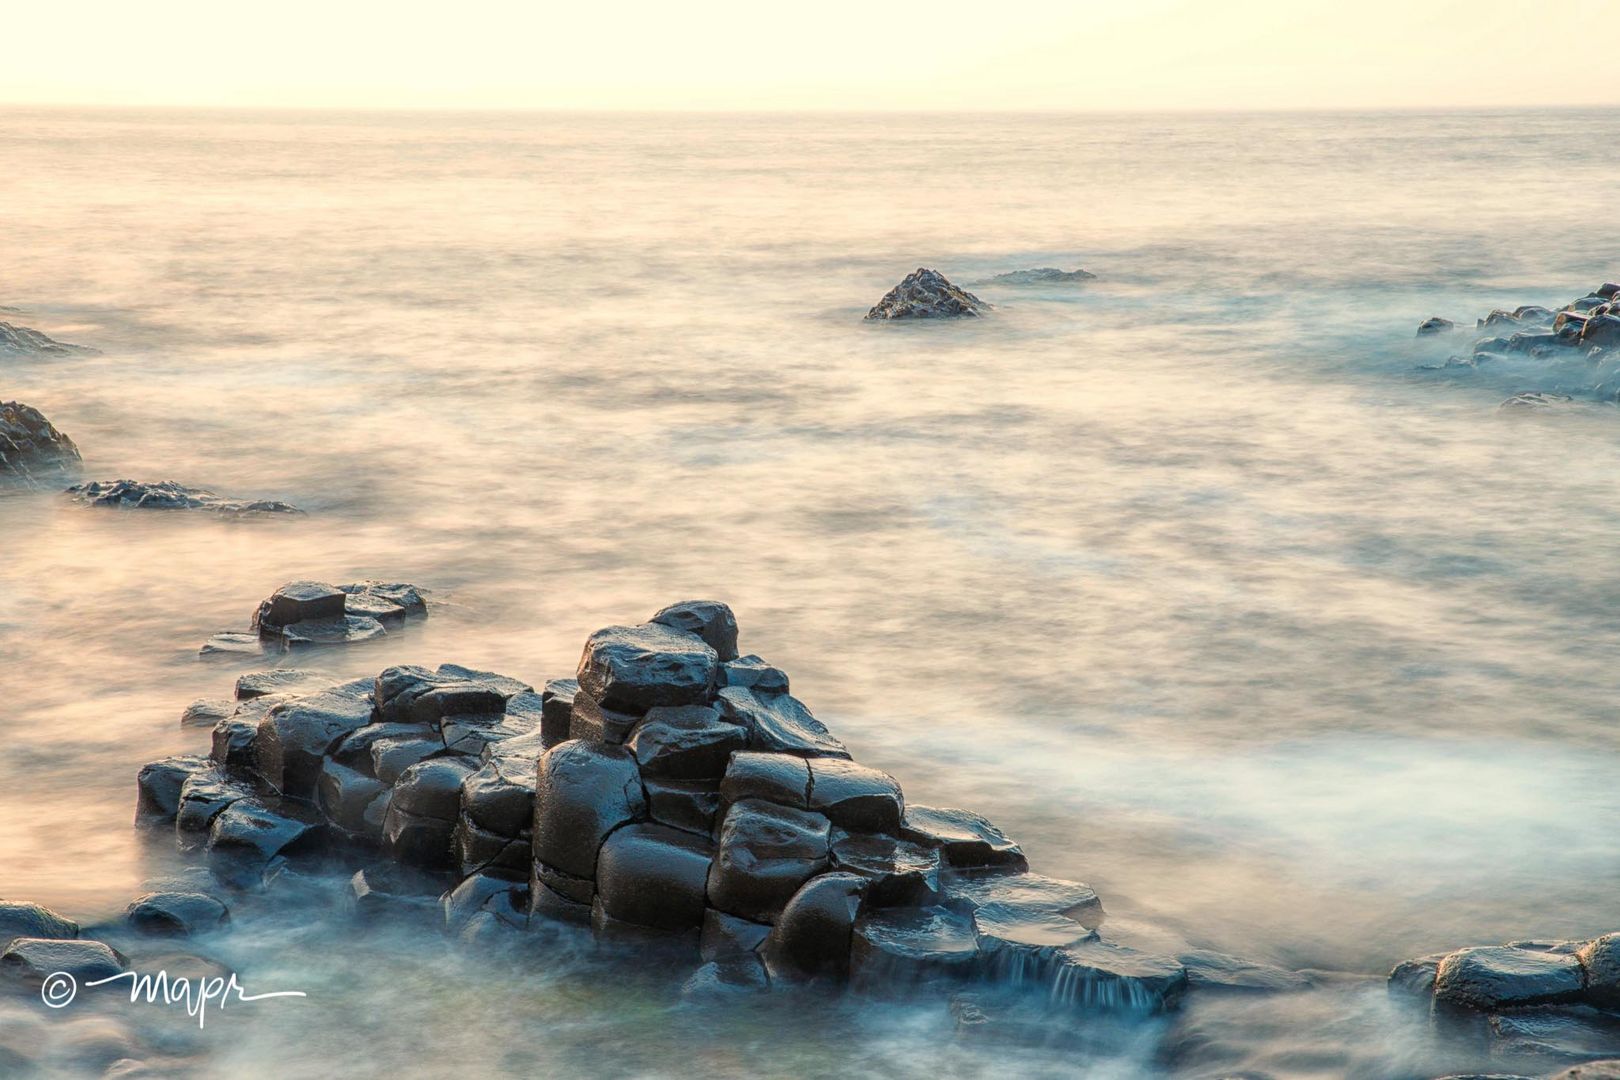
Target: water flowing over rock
{"x":673,"y":795}
{"x":169,"y":495}
{"x":925,"y":294}
{"x":19,"y":341}
{"x":1044,"y":275}
{"x":32,"y":450}
{"x":312,"y":614}
{"x":1435,"y":325}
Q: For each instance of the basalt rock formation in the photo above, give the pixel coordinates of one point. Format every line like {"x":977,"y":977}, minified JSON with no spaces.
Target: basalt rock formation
{"x":169,"y":495}
{"x":312,"y":614}
{"x":1045,"y":275}
{"x":1574,"y":350}
{"x":21,"y":341}
{"x":925,"y":294}
{"x":1549,"y":1000}
{"x":32,"y":450}
{"x":673,"y":794}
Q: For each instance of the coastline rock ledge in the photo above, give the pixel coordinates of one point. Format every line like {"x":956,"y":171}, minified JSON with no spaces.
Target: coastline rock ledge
{"x":926,"y":294}
{"x":673,"y":795}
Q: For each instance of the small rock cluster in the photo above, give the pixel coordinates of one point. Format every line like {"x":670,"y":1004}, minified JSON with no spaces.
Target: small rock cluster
{"x":1044,"y":275}
{"x":313,"y":614}
{"x":21,"y":341}
{"x":169,"y":495}
{"x":925,"y":294}
{"x":1585,"y":331}
{"x":673,"y":793}
{"x":1526,"y":998}
{"x":32,"y":450}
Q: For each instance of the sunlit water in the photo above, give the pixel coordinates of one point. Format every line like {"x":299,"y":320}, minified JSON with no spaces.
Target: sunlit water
{"x":1185,"y":577}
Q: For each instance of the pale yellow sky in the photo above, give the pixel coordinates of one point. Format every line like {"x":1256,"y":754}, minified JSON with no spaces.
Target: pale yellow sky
{"x":826,"y":54}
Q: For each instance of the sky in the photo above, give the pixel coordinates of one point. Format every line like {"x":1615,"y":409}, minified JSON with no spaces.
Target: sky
{"x":826,"y":54}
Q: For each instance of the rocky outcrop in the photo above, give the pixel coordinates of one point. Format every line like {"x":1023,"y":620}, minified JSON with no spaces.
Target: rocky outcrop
{"x":20,"y":341}
{"x":1045,"y":275}
{"x":169,"y":495}
{"x":1435,"y":325}
{"x":1572,"y":351}
{"x":1547,"y":1000}
{"x":32,"y":450}
{"x":925,"y":294}
{"x":312,"y":614}
{"x":672,"y":792}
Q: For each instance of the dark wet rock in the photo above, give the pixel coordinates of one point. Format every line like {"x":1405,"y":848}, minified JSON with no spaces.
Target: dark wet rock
{"x":752,"y":673}
{"x":24,"y":920}
{"x":967,"y":840}
{"x":299,"y":601}
{"x":926,"y":294}
{"x":1493,"y":976}
{"x":388,"y":893}
{"x":399,"y":692}
{"x":158,"y":787}
{"x":777,"y":723}
{"x":854,"y":796}
{"x":32,"y":450}
{"x":556,"y":707}
{"x":20,"y":341}
{"x":248,"y":834}
{"x":204,"y":794}
{"x":499,"y":797}
{"x":206,"y":712}
{"x":548,"y":903}
{"x":295,"y":736}
{"x":1210,"y":970}
{"x":1007,"y":899}
{"x":228,"y":645}
{"x":765,"y":853}
{"x":350,"y":799}
{"x":900,"y":949}
{"x":30,"y":961}
{"x":1553,"y":1033}
{"x":582,"y":793}
{"x":1044,"y":275}
{"x":708,"y":619}
{"x":901,"y":873}
{"x":1435,"y":325}
{"x":593,"y":722}
{"x":391,"y":756}
{"x":380,"y":599}
{"x":570,"y":887}
{"x":636,"y":668}
{"x":356,"y":750}
{"x":719,"y":981}
{"x":1536,"y":401}
{"x":685,"y":742}
{"x":726,"y":936}
{"x":778,"y":778}
{"x":423,"y":808}
{"x":280,"y":681}
{"x":1602,"y":330}
{"x":180,"y":914}
{"x":170,"y":495}
{"x":503,"y":896}
{"x":474,"y":849}
{"x":655,"y":876}
{"x":692,"y":805}
{"x":327,"y":633}
{"x":233,"y":738}
{"x":811,"y":937}
{"x":1601,"y":959}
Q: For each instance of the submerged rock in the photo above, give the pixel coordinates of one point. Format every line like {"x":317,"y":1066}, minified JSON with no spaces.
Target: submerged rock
{"x":1536,"y":401}
{"x":179,"y":914}
{"x":925,"y":294}
{"x":31,"y":961}
{"x":22,"y":920}
{"x":18,"y":341}
{"x":1435,"y":325}
{"x":169,"y":495}
{"x":1044,"y":275}
{"x":32,"y":450}
{"x":312,"y":614}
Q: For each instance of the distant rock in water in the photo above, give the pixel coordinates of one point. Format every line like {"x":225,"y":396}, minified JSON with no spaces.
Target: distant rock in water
{"x":1435,"y":325}
{"x":169,"y":495}
{"x":1535,"y":401}
{"x":312,"y":614}
{"x":1045,"y":275}
{"x":21,"y":341}
{"x":925,"y":294}
{"x":32,"y":451}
